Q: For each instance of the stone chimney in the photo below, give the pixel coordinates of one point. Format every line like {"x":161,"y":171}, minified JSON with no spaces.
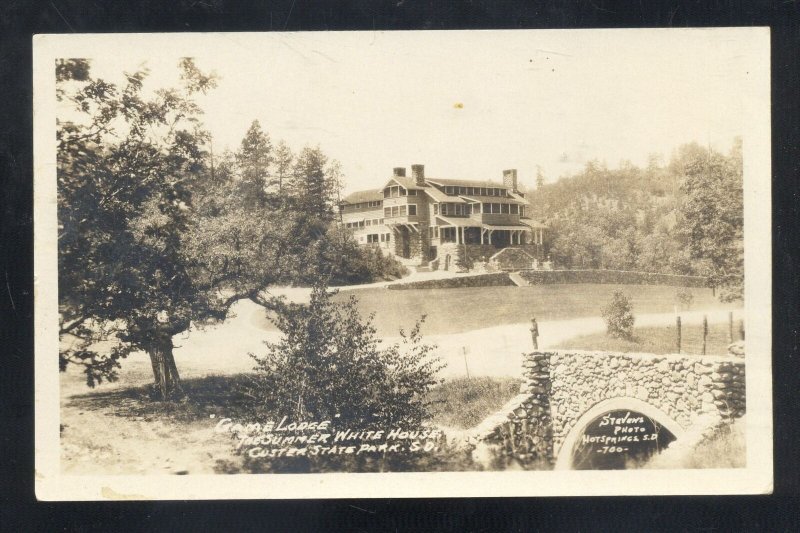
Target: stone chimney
{"x":510,"y":179}
{"x":418,"y":173}
{"x":399,"y":172}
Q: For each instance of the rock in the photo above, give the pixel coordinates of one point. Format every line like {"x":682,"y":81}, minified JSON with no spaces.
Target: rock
{"x":663,"y":366}
{"x":737,"y":348}
{"x":702,"y":369}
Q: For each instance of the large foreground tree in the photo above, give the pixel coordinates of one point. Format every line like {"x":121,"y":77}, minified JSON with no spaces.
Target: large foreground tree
{"x":151,"y":242}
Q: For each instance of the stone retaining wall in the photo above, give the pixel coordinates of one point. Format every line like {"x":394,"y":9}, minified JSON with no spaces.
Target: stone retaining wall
{"x":479,"y":280}
{"x":695,"y":392}
{"x":622,"y":277}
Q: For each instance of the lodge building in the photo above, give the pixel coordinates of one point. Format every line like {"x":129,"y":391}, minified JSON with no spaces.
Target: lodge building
{"x":420,"y":219}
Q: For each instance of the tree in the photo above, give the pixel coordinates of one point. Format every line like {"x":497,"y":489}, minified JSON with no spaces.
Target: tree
{"x":328,"y":365}
{"x":618,"y":315}
{"x":144,"y":254}
{"x":711,"y":218}
{"x":284,"y":159}
{"x":311,"y":188}
{"x":254,"y":159}
{"x":539,"y":178}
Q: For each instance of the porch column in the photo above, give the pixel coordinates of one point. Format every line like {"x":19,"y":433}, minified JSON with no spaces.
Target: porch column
{"x":481,"y":235}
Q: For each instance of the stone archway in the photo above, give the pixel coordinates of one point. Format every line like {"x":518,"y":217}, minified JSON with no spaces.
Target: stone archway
{"x":635,"y":407}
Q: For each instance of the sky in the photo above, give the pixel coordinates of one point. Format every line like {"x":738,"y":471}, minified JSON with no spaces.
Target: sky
{"x":465,"y":104}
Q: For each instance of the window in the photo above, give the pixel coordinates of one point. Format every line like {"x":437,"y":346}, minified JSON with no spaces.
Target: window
{"x":412,"y":192}
{"x":495,"y":208}
{"x":522,"y":210}
{"x":487,"y":208}
{"x":505,"y":208}
{"x":436,"y":233}
{"x":387,"y":211}
{"x":445,"y":209}
{"x":361,"y":224}
{"x":448,"y":190}
{"x":402,"y":192}
{"x":402,"y":210}
{"x":462,"y":190}
{"x":435,"y":209}
{"x":387,"y":192}
{"x":514,"y":209}
{"x":369,"y":222}
{"x":388,"y":235}
{"x":412,"y":209}
{"x":382,"y":219}
{"x":448,"y":234}
{"x":383,"y":237}
{"x":476,"y":208}
{"x":395,"y":211}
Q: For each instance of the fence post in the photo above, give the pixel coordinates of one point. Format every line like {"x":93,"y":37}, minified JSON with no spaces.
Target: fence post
{"x":705,"y":332}
{"x":730,"y":327}
{"x":678,"y":326}
{"x":741,"y":329}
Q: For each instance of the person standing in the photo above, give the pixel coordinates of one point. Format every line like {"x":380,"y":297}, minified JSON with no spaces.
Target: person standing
{"x":535,"y":333}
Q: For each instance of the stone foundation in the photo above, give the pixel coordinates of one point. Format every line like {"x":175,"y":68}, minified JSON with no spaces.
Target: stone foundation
{"x":695,"y":393}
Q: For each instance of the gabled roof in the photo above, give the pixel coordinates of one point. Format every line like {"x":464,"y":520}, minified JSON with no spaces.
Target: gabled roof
{"x":408,"y":183}
{"x":467,"y":183}
{"x":363,"y":196}
{"x":436,"y":194}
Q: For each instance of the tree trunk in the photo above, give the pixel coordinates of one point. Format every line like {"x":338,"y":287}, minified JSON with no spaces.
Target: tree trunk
{"x":165,"y":372}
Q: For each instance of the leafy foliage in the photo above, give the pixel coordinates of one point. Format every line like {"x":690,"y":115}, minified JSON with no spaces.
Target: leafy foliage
{"x":329,"y":366}
{"x":681,"y":218}
{"x":618,"y":315}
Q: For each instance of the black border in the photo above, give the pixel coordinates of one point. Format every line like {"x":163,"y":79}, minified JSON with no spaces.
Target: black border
{"x":20,"y":20}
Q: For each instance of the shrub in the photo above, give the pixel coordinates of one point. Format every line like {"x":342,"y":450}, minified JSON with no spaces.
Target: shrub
{"x":618,"y":315}
{"x":685,"y":297}
{"x":328,"y":366}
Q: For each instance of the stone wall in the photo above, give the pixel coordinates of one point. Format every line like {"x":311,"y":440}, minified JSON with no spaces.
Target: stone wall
{"x":475,"y":280}
{"x":684,"y":387}
{"x":623,"y":277}
{"x":697,"y":393}
{"x":513,"y":259}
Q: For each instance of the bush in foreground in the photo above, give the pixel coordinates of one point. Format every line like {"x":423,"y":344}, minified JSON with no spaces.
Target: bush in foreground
{"x":329,"y":365}
{"x":618,"y":315}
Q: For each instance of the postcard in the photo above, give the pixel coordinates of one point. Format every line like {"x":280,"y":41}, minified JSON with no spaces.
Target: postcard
{"x":402,"y":264}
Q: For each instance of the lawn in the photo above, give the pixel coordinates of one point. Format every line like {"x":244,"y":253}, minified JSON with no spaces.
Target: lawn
{"x":124,"y":430}
{"x":464,"y":402}
{"x":465,"y":309}
{"x":658,"y":340}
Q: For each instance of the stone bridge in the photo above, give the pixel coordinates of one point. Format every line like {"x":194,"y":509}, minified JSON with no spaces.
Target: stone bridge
{"x":600,"y":410}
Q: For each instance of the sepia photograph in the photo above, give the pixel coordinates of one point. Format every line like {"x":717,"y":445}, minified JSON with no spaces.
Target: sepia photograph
{"x":399,"y":264}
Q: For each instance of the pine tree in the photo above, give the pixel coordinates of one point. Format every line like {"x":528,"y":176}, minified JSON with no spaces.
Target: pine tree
{"x":254,"y":159}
